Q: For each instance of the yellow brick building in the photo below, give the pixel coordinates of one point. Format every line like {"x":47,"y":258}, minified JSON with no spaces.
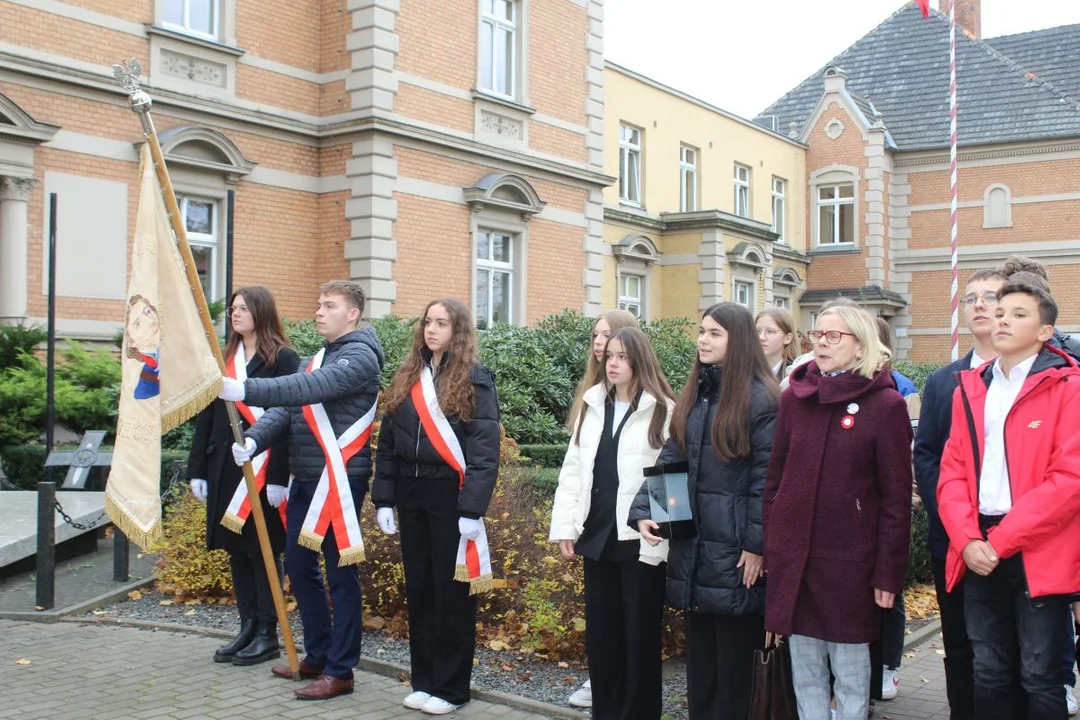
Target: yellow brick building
{"x":708,"y":206}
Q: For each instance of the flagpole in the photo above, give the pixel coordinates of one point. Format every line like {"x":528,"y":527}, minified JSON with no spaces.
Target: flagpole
{"x":953,"y":235}
{"x":127,"y":74}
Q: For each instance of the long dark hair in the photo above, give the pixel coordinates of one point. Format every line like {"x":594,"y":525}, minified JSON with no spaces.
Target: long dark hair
{"x":743,"y":364}
{"x":457,"y":397}
{"x":647,"y":376}
{"x":269,"y":330}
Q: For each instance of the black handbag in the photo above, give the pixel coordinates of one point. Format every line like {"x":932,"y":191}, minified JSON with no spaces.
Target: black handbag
{"x":773,"y":691}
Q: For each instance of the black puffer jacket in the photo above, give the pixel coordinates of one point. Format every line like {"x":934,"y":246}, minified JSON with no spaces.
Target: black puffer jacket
{"x":347,"y":385}
{"x":725,"y":498}
{"x":405,"y":450}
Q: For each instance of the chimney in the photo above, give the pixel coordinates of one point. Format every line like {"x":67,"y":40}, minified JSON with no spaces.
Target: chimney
{"x":968,"y":15}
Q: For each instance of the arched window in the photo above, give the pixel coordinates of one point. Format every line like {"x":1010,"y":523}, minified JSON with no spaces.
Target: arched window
{"x":634,"y":256}
{"x":997,"y":206}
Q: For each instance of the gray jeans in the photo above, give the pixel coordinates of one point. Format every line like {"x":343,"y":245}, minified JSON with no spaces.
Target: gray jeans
{"x":811,"y":660}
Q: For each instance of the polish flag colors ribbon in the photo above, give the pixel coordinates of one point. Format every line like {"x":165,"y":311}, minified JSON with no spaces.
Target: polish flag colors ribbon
{"x":332,"y":505}
{"x":473,"y":556}
{"x":239,"y":509}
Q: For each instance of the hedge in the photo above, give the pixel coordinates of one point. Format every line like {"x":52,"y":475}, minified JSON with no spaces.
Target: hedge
{"x":545,"y":456}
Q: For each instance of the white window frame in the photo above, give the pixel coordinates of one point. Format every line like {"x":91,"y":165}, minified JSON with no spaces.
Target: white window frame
{"x":741,"y":177}
{"x":834,"y":204}
{"x":492,"y":267}
{"x":491,"y":64}
{"x":738,"y":283}
{"x":688,"y":175}
{"x":185,"y":26}
{"x":779,"y":208}
{"x":214,"y":241}
{"x":626,"y":300}
{"x":628,"y":149}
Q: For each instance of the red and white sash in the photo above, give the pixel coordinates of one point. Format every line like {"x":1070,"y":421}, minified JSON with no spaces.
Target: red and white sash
{"x":332,"y":504}
{"x":239,"y":508}
{"x":473,"y":556}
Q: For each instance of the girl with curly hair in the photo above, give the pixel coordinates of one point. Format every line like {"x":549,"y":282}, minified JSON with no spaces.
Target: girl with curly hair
{"x":437,"y":462}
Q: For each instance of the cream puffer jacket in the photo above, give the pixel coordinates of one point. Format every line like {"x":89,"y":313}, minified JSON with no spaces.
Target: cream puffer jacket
{"x":573,"y":497}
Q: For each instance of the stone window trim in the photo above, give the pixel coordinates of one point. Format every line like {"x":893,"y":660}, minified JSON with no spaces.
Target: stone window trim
{"x":505,"y":192}
{"x":519,"y":90}
{"x":224,"y":21}
{"x":635,"y":256}
{"x":826,"y":176}
{"x":739,"y":280}
{"x":741,"y":178}
{"x":194,"y":63}
{"x":785,"y":284}
{"x":629,"y":302}
{"x":997,"y":207}
{"x":21,"y":128}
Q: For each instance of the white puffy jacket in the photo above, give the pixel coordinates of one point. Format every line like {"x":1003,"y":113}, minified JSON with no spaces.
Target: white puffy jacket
{"x":573,"y":497}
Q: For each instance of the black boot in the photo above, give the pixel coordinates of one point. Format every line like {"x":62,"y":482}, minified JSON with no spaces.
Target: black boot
{"x":225,"y":653}
{"x":263,"y":647}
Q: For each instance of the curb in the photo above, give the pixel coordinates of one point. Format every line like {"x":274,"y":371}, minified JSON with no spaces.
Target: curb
{"x":52,"y":616}
{"x":922,"y":635}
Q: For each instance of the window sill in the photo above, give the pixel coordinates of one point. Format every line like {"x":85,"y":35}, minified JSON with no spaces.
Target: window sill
{"x":840,"y":249}
{"x":195,"y":40}
{"x":502,"y":101}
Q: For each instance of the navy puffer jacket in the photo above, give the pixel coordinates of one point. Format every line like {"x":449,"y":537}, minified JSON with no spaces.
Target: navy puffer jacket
{"x":347,"y":385}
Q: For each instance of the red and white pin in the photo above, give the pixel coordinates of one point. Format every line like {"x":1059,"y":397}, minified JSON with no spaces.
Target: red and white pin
{"x":847,"y":422}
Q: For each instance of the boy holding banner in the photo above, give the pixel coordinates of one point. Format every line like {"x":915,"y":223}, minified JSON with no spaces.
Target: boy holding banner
{"x":327,"y":410}
{"x":438,"y":459}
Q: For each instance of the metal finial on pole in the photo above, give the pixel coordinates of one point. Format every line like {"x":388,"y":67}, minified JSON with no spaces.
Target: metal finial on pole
{"x":127,"y":74}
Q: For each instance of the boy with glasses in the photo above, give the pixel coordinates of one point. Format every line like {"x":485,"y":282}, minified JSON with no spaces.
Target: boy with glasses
{"x":1008,"y":496}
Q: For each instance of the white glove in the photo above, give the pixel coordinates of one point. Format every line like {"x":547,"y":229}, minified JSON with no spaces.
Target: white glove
{"x":275,"y":495}
{"x":232,"y":390}
{"x":468,"y":528}
{"x":242,"y":453}
{"x":385,"y":516}
{"x":198,"y":489}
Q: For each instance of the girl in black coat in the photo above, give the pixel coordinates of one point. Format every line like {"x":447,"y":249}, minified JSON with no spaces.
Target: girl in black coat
{"x":722,"y":426}
{"x":437,"y":461}
{"x":257,"y":347}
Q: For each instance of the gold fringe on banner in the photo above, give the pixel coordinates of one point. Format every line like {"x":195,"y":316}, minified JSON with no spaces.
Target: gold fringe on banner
{"x":482,"y":584}
{"x":193,"y":406}
{"x":143,"y":538}
{"x":233,"y":522}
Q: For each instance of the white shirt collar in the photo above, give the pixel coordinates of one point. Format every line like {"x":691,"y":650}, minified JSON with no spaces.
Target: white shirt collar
{"x":1020,"y":372}
{"x":976,"y":361}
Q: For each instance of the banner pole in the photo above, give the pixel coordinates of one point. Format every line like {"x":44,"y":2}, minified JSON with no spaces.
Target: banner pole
{"x":127,"y":75}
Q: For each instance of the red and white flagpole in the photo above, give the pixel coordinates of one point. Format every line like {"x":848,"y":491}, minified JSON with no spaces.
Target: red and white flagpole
{"x":952,"y":180}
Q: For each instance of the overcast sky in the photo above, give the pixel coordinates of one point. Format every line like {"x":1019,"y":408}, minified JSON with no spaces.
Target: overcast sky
{"x":741,"y":55}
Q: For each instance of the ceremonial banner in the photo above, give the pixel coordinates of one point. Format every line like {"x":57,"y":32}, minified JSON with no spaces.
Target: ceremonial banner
{"x":170,"y":372}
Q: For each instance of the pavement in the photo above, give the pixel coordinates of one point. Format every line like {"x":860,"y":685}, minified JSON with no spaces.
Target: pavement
{"x":89,"y":672}
{"x":922,"y":685}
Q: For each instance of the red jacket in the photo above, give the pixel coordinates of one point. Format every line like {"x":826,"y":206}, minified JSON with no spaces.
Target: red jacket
{"x":1042,"y":449}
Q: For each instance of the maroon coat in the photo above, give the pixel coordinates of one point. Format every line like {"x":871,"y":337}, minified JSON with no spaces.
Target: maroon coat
{"x":837,"y":509}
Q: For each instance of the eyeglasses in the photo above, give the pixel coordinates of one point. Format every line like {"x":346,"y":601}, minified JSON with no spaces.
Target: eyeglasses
{"x":833,"y":337}
{"x":989,"y":299}
{"x":768,"y":332}
{"x":230,"y":311}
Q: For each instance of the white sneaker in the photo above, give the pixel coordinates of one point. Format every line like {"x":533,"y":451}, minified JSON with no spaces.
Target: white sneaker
{"x":1070,"y":701}
{"x":438,"y":706}
{"x":582,"y":697}
{"x":416,"y":700}
{"x":890,"y":683}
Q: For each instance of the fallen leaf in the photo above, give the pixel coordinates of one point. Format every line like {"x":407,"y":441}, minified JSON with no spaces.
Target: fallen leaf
{"x":909,"y":654}
{"x":134,"y":595}
{"x":564,"y":665}
{"x":99,"y":613}
{"x":549,"y":561}
{"x":189,"y":613}
{"x":22,"y":661}
{"x":579,"y":624}
{"x":498,"y":645}
{"x":38,"y":608}
{"x":923,"y":679}
{"x":568,"y":578}
{"x":165,"y":602}
{"x":939,"y":651}
{"x":374,"y":623}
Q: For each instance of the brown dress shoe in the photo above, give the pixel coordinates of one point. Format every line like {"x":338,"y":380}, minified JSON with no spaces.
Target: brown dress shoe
{"x":307,"y":672}
{"x":324,"y":687}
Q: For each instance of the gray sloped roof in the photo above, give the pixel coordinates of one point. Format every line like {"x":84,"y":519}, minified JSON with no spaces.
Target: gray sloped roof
{"x":1052,"y":54}
{"x":902,"y":66}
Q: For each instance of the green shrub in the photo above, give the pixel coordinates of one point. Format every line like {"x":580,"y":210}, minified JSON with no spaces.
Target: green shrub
{"x":20,"y":339}
{"x":919,"y":568}
{"x":185,"y":567}
{"x":24,"y":465}
{"x":303,"y":337}
{"x":916,"y":372}
{"x":545,"y":456}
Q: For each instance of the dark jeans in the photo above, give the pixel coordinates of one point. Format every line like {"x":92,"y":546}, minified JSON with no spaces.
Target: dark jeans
{"x":893,"y":631}
{"x":1069,"y":663}
{"x":720,"y":663}
{"x":959,"y":673}
{"x":331,"y":644}
{"x":624,"y":608}
{"x":252,"y":586}
{"x":442,"y":614}
{"x":1016,"y":641}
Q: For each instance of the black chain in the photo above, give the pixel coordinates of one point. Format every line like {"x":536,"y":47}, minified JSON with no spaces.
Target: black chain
{"x":179,"y":467}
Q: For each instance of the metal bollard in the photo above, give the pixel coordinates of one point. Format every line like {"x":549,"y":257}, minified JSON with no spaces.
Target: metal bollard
{"x":46,"y":546}
{"x":120,"y":555}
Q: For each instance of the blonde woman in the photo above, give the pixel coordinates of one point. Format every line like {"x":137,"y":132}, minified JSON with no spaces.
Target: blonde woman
{"x":837,"y":511}
{"x":776,"y":331}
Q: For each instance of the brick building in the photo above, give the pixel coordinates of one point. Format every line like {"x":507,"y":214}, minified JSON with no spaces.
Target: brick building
{"x":422,"y":147}
{"x":876,"y":125}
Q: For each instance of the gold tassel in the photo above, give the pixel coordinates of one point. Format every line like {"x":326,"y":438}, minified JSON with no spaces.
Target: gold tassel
{"x":180,"y":415}
{"x":309,"y":540}
{"x":233,"y":522}
{"x":352,"y":556}
{"x":461,"y":573}
{"x":143,"y":538}
{"x":481,"y":584}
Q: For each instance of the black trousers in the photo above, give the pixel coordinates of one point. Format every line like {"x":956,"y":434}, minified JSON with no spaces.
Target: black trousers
{"x":719,"y":663}
{"x":624,"y":608}
{"x":252,"y":586}
{"x":959,"y":672}
{"x":1016,"y":641}
{"x":442,"y":614}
